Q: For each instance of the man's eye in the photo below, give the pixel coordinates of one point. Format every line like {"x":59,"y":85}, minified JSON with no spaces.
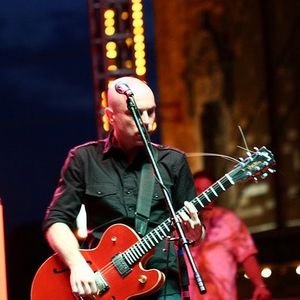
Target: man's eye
{"x":152,"y":112}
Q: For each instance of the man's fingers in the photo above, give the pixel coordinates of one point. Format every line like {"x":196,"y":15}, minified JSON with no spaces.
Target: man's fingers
{"x":85,"y":288}
{"x":192,"y":212}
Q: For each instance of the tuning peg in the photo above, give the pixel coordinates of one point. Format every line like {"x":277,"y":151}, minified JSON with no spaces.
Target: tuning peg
{"x":272,"y":171}
{"x":255,"y":148}
{"x":255,"y":179}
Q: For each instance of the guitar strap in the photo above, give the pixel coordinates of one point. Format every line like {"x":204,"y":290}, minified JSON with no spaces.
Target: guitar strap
{"x":144,"y":200}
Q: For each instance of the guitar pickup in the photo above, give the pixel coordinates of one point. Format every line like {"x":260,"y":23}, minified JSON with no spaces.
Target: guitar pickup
{"x":121,"y":265}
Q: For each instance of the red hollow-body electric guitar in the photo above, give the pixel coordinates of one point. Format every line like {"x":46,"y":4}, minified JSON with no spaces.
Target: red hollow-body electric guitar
{"x":118,"y":259}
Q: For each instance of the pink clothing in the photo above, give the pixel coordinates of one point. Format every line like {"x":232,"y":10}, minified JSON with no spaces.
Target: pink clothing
{"x":227,"y":243}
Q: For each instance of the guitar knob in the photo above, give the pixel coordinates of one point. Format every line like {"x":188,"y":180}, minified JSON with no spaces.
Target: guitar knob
{"x":143,"y":278}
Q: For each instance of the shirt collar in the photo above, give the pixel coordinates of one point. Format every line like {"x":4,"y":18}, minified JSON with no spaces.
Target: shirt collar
{"x":110,"y":147}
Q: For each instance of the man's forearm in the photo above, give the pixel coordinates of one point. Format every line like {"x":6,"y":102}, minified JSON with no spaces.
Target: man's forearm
{"x":252,"y":270}
{"x":64,"y":243}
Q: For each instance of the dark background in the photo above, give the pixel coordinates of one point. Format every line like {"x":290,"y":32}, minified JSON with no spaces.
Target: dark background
{"x":47,"y":107}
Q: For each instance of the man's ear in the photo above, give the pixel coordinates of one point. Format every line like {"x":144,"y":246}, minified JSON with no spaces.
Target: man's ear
{"x":110,"y":115}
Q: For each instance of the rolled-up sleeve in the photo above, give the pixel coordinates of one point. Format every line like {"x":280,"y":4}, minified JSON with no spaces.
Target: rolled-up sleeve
{"x":66,"y":201}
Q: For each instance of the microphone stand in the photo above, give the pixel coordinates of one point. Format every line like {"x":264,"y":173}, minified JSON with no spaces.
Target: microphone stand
{"x":131,"y":104}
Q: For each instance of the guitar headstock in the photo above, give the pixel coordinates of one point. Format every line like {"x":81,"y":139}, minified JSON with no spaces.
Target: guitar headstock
{"x":256,"y":164}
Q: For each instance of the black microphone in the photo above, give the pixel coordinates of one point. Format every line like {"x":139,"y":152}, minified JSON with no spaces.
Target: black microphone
{"x":123,"y":88}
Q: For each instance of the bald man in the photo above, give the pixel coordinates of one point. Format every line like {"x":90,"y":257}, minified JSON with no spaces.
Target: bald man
{"x":105,"y":175}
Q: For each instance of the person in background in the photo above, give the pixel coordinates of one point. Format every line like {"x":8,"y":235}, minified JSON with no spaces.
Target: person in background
{"x":227,"y":244}
{"x":104,"y":175}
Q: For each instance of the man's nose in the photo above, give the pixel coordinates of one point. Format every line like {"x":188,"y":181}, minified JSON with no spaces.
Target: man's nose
{"x":145,"y":118}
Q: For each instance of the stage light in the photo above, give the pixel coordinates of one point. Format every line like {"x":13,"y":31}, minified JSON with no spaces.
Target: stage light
{"x":140,"y":62}
{"x":154,"y":126}
{"x":104,"y":119}
{"x":111,"y":50}
{"x":124,"y":15}
{"x":138,"y":23}
{"x":109,"y":22}
{"x":109,"y":14}
{"x":118,"y":47}
{"x":137,"y":15}
{"x":138,"y":32}
{"x":110,"y":31}
{"x":103,"y":99}
{"x":266,"y":272}
{"x":139,"y":38}
{"x":128,"y":64}
{"x":137,"y":6}
{"x":140,"y":46}
{"x":141,"y":71}
{"x":129,"y":42}
{"x":105,"y":123}
{"x":112,"y":68}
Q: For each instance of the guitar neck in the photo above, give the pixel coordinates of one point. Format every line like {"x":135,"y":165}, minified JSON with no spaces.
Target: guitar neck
{"x":212,"y":192}
{"x":155,"y":236}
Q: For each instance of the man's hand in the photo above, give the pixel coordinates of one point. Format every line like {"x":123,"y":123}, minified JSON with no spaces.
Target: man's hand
{"x":191,"y":223}
{"x":82,"y":280}
{"x":63,"y":241}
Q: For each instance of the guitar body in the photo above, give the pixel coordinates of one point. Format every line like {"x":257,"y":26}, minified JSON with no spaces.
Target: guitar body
{"x":52,"y":280}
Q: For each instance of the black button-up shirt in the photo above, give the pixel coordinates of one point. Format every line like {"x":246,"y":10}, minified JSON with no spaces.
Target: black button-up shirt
{"x":98,"y":175}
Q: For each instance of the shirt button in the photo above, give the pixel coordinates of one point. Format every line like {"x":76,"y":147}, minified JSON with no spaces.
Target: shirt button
{"x":99,"y":193}
{"x":128,"y":192}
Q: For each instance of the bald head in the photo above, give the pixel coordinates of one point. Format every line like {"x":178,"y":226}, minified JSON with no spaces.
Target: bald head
{"x":120,"y":118}
{"x":139,"y":88}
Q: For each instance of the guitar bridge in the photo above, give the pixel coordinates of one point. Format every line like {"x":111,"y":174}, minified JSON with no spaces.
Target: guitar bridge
{"x":121,"y":265}
{"x":102,"y":285}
